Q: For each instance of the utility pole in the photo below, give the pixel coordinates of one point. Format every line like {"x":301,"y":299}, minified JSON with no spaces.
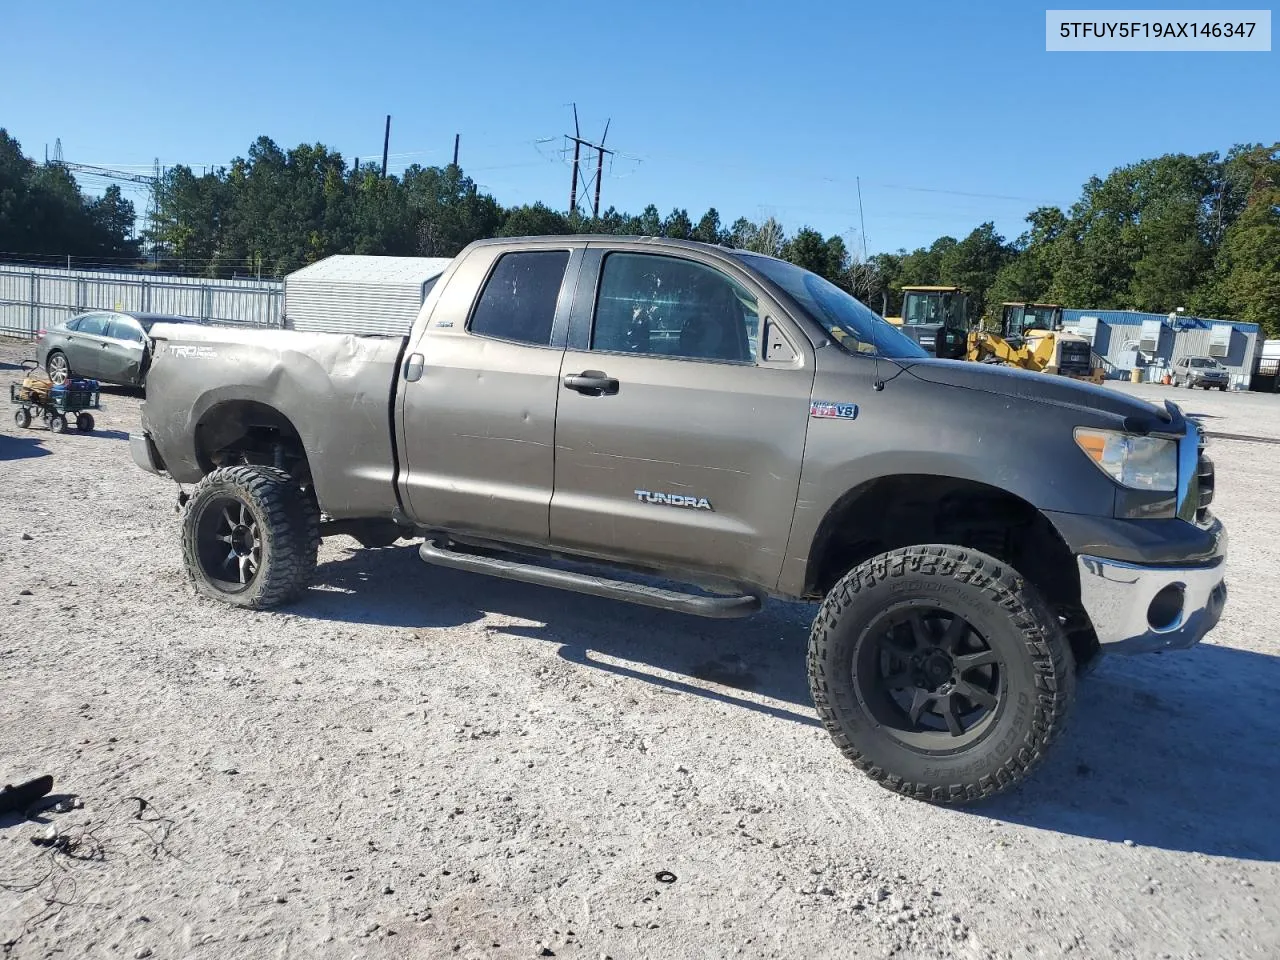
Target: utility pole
{"x":386,"y":145}
{"x":457,"y":137}
{"x":578,"y":144}
{"x":577,"y":149}
{"x":595,"y":212}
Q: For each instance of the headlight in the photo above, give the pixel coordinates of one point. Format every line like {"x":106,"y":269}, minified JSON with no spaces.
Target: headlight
{"x":1140,"y":463}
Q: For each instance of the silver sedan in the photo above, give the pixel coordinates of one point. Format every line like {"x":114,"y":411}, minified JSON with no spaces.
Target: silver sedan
{"x":110,"y":346}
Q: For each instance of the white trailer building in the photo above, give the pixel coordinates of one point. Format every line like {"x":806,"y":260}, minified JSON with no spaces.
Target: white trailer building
{"x":355,"y":294}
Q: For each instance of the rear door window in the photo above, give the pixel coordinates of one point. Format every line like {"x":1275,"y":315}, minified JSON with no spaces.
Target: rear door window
{"x":519,"y":300}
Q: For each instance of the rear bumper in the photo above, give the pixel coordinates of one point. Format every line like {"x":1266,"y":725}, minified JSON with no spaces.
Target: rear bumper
{"x":1143,"y":609}
{"x":144,"y":453}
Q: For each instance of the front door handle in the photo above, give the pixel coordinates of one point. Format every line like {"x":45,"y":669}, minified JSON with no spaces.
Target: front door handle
{"x":592,"y":383}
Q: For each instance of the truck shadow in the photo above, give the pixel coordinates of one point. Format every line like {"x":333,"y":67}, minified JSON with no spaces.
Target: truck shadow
{"x":1179,"y":751}
{"x":719,"y":659}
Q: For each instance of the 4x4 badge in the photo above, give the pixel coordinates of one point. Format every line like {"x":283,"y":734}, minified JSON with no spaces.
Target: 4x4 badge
{"x":832,"y":410}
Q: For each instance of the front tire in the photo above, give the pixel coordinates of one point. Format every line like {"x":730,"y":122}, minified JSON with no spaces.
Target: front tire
{"x":249,"y":537}
{"x":940,"y":672}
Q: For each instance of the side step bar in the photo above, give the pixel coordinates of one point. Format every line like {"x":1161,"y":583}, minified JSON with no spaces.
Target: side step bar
{"x":721,"y":608}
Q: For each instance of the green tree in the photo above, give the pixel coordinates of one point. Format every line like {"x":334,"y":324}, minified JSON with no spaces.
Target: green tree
{"x":678,"y":226}
{"x":1249,"y":262}
{"x":650,"y":224}
{"x":709,"y":230}
{"x":535,"y":220}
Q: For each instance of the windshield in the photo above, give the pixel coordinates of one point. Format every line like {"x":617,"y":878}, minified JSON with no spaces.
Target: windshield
{"x":921,"y":308}
{"x":1038,"y":318}
{"x":1201,"y":362}
{"x":851,"y":324}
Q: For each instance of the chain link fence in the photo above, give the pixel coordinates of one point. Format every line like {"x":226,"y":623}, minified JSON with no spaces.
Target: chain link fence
{"x":34,"y":298}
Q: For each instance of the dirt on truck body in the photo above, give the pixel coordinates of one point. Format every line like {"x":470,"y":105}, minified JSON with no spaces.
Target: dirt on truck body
{"x":593,"y":413}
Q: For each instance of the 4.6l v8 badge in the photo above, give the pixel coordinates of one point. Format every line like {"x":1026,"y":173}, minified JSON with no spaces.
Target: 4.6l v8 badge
{"x":833,"y":410}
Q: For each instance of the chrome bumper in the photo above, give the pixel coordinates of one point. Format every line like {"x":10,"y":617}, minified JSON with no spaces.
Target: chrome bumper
{"x":144,"y":453}
{"x":1137,"y":609}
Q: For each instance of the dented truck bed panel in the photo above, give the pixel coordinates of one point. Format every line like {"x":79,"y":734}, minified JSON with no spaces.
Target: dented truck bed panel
{"x":334,"y":389}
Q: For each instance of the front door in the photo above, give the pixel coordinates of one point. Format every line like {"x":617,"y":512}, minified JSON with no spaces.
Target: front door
{"x":477,"y":421}
{"x":676,"y":445}
{"x":120,"y":357}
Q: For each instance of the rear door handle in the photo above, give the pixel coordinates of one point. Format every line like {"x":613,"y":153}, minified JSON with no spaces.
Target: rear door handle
{"x":592,"y":383}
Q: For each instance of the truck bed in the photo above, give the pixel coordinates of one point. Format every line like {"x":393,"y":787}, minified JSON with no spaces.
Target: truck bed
{"x":334,"y":390}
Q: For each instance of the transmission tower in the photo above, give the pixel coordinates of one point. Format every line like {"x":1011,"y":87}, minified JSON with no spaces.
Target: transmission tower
{"x":587,"y":177}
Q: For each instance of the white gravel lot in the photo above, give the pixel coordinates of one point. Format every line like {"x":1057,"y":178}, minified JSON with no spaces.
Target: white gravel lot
{"x":417,"y":763}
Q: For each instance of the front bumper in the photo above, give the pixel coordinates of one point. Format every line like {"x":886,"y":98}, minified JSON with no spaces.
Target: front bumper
{"x":144,"y":453}
{"x":1143,"y":609}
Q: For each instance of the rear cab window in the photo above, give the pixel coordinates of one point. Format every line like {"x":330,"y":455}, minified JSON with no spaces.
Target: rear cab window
{"x":518,"y":302}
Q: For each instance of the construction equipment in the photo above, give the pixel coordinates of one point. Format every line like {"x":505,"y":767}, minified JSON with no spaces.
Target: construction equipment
{"x":1031,"y":337}
{"x":937,"y":318}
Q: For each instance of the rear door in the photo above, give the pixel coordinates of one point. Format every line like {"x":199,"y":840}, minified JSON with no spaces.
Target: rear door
{"x":676,"y":444}
{"x":84,"y":344}
{"x":122,"y":348}
{"x":476,"y":427}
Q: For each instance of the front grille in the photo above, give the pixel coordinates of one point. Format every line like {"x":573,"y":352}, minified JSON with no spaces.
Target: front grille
{"x":1075,"y":357}
{"x":1204,"y":483}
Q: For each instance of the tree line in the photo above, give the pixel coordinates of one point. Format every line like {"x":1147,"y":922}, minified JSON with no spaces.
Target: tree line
{"x":43,"y":212}
{"x":1200,"y":232}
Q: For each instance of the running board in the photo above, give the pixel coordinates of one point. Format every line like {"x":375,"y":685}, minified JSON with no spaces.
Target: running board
{"x":720,"y":608}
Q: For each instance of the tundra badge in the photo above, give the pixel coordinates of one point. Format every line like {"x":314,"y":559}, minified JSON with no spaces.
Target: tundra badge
{"x":674,"y":500}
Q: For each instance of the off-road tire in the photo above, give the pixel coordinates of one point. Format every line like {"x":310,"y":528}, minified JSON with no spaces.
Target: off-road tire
{"x":22,"y":417}
{"x":1039,"y":673}
{"x":289,"y":523}
{"x":58,"y":423}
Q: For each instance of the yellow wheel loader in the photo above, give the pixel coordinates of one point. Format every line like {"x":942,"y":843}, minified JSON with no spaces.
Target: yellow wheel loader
{"x":1031,"y":337}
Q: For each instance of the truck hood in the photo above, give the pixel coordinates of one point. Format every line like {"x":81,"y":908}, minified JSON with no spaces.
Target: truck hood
{"x":1138,"y":416}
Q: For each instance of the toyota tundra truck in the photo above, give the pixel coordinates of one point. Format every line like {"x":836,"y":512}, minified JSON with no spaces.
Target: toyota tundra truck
{"x":699,"y":429}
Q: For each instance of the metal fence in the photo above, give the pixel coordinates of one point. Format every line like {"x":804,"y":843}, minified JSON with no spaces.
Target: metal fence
{"x":33,"y":298}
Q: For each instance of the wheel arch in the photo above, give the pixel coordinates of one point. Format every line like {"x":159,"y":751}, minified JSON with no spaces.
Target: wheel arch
{"x":249,"y":431}
{"x":900,"y":510}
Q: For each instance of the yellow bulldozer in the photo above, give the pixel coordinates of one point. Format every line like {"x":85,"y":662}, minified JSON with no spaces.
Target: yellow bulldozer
{"x":1031,"y":335}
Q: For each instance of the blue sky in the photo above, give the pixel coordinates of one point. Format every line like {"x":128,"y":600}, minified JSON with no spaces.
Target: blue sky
{"x":950,"y":113}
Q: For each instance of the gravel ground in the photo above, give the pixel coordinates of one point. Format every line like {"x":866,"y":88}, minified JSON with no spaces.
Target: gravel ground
{"x":417,"y":763}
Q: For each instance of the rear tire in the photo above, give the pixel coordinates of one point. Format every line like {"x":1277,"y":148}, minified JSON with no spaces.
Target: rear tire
{"x":929,"y":709}
{"x":84,"y":423}
{"x":58,"y":423}
{"x":58,"y":367}
{"x":250,"y":537}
